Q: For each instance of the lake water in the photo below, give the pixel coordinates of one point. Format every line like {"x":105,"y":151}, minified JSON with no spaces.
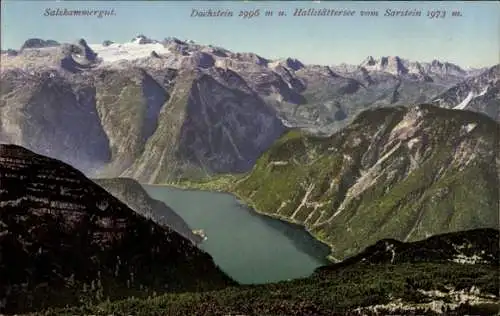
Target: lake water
{"x":249,"y":247}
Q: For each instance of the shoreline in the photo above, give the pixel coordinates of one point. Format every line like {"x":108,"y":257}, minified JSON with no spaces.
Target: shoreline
{"x":251,"y":205}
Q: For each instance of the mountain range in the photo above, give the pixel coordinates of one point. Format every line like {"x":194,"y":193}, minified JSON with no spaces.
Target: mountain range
{"x":158,"y":111}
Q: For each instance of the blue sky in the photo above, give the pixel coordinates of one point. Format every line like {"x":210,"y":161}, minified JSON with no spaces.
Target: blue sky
{"x":471,"y":40}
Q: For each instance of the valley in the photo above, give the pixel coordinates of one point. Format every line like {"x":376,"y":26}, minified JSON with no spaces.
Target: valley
{"x":169,"y":177}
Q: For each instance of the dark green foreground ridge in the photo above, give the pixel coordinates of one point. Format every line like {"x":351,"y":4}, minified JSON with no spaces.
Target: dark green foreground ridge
{"x":403,"y":173}
{"x":64,"y":239}
{"x":388,"y":278}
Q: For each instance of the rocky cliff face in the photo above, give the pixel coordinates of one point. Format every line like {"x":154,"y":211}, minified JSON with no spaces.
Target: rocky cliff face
{"x":193,"y":121}
{"x":108,"y":108}
{"x":43,"y":111}
{"x":38,"y":43}
{"x":128,"y":105}
{"x":133,"y":194}
{"x":206,"y":127}
{"x":403,"y":173}
{"x":63,"y":238}
{"x":479,"y":93}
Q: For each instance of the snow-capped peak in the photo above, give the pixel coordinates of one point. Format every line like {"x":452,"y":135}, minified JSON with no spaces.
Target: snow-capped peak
{"x":139,"y":47}
{"x":142,"y":39}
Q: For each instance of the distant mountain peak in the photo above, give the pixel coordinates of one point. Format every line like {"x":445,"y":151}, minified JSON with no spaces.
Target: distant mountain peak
{"x":143,"y":39}
{"x":369,"y":61}
{"x":78,"y":56}
{"x":39,"y":43}
{"x":389,"y":59}
{"x":479,"y":92}
{"x":390,"y":64}
{"x":107,"y":43}
{"x":423,"y":71}
{"x":294,"y":63}
{"x":82,"y":42}
{"x":172,"y":39}
{"x":436,"y":62}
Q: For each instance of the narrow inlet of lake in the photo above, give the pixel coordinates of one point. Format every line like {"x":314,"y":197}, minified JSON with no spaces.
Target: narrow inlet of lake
{"x":250,"y":247}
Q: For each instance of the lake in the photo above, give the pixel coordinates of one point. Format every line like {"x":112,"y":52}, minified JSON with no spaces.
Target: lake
{"x":250,"y":247}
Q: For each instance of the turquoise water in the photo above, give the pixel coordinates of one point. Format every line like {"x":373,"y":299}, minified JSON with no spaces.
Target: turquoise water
{"x":249,"y":247}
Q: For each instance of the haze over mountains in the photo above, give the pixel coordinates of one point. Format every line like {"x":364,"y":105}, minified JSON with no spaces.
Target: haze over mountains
{"x":158,"y":111}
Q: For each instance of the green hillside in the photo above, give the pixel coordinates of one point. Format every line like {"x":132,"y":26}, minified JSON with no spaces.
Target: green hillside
{"x":404,"y":173}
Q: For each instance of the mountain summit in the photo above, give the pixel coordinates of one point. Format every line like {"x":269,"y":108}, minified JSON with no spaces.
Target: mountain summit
{"x":142,"y":39}
{"x":390,"y":64}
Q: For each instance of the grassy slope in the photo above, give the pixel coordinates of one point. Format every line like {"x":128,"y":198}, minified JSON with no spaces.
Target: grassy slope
{"x":458,"y":199}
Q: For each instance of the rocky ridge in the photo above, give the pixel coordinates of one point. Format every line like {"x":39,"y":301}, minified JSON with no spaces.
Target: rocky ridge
{"x":63,"y":239}
{"x":133,"y":194}
{"x":477,"y":246}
